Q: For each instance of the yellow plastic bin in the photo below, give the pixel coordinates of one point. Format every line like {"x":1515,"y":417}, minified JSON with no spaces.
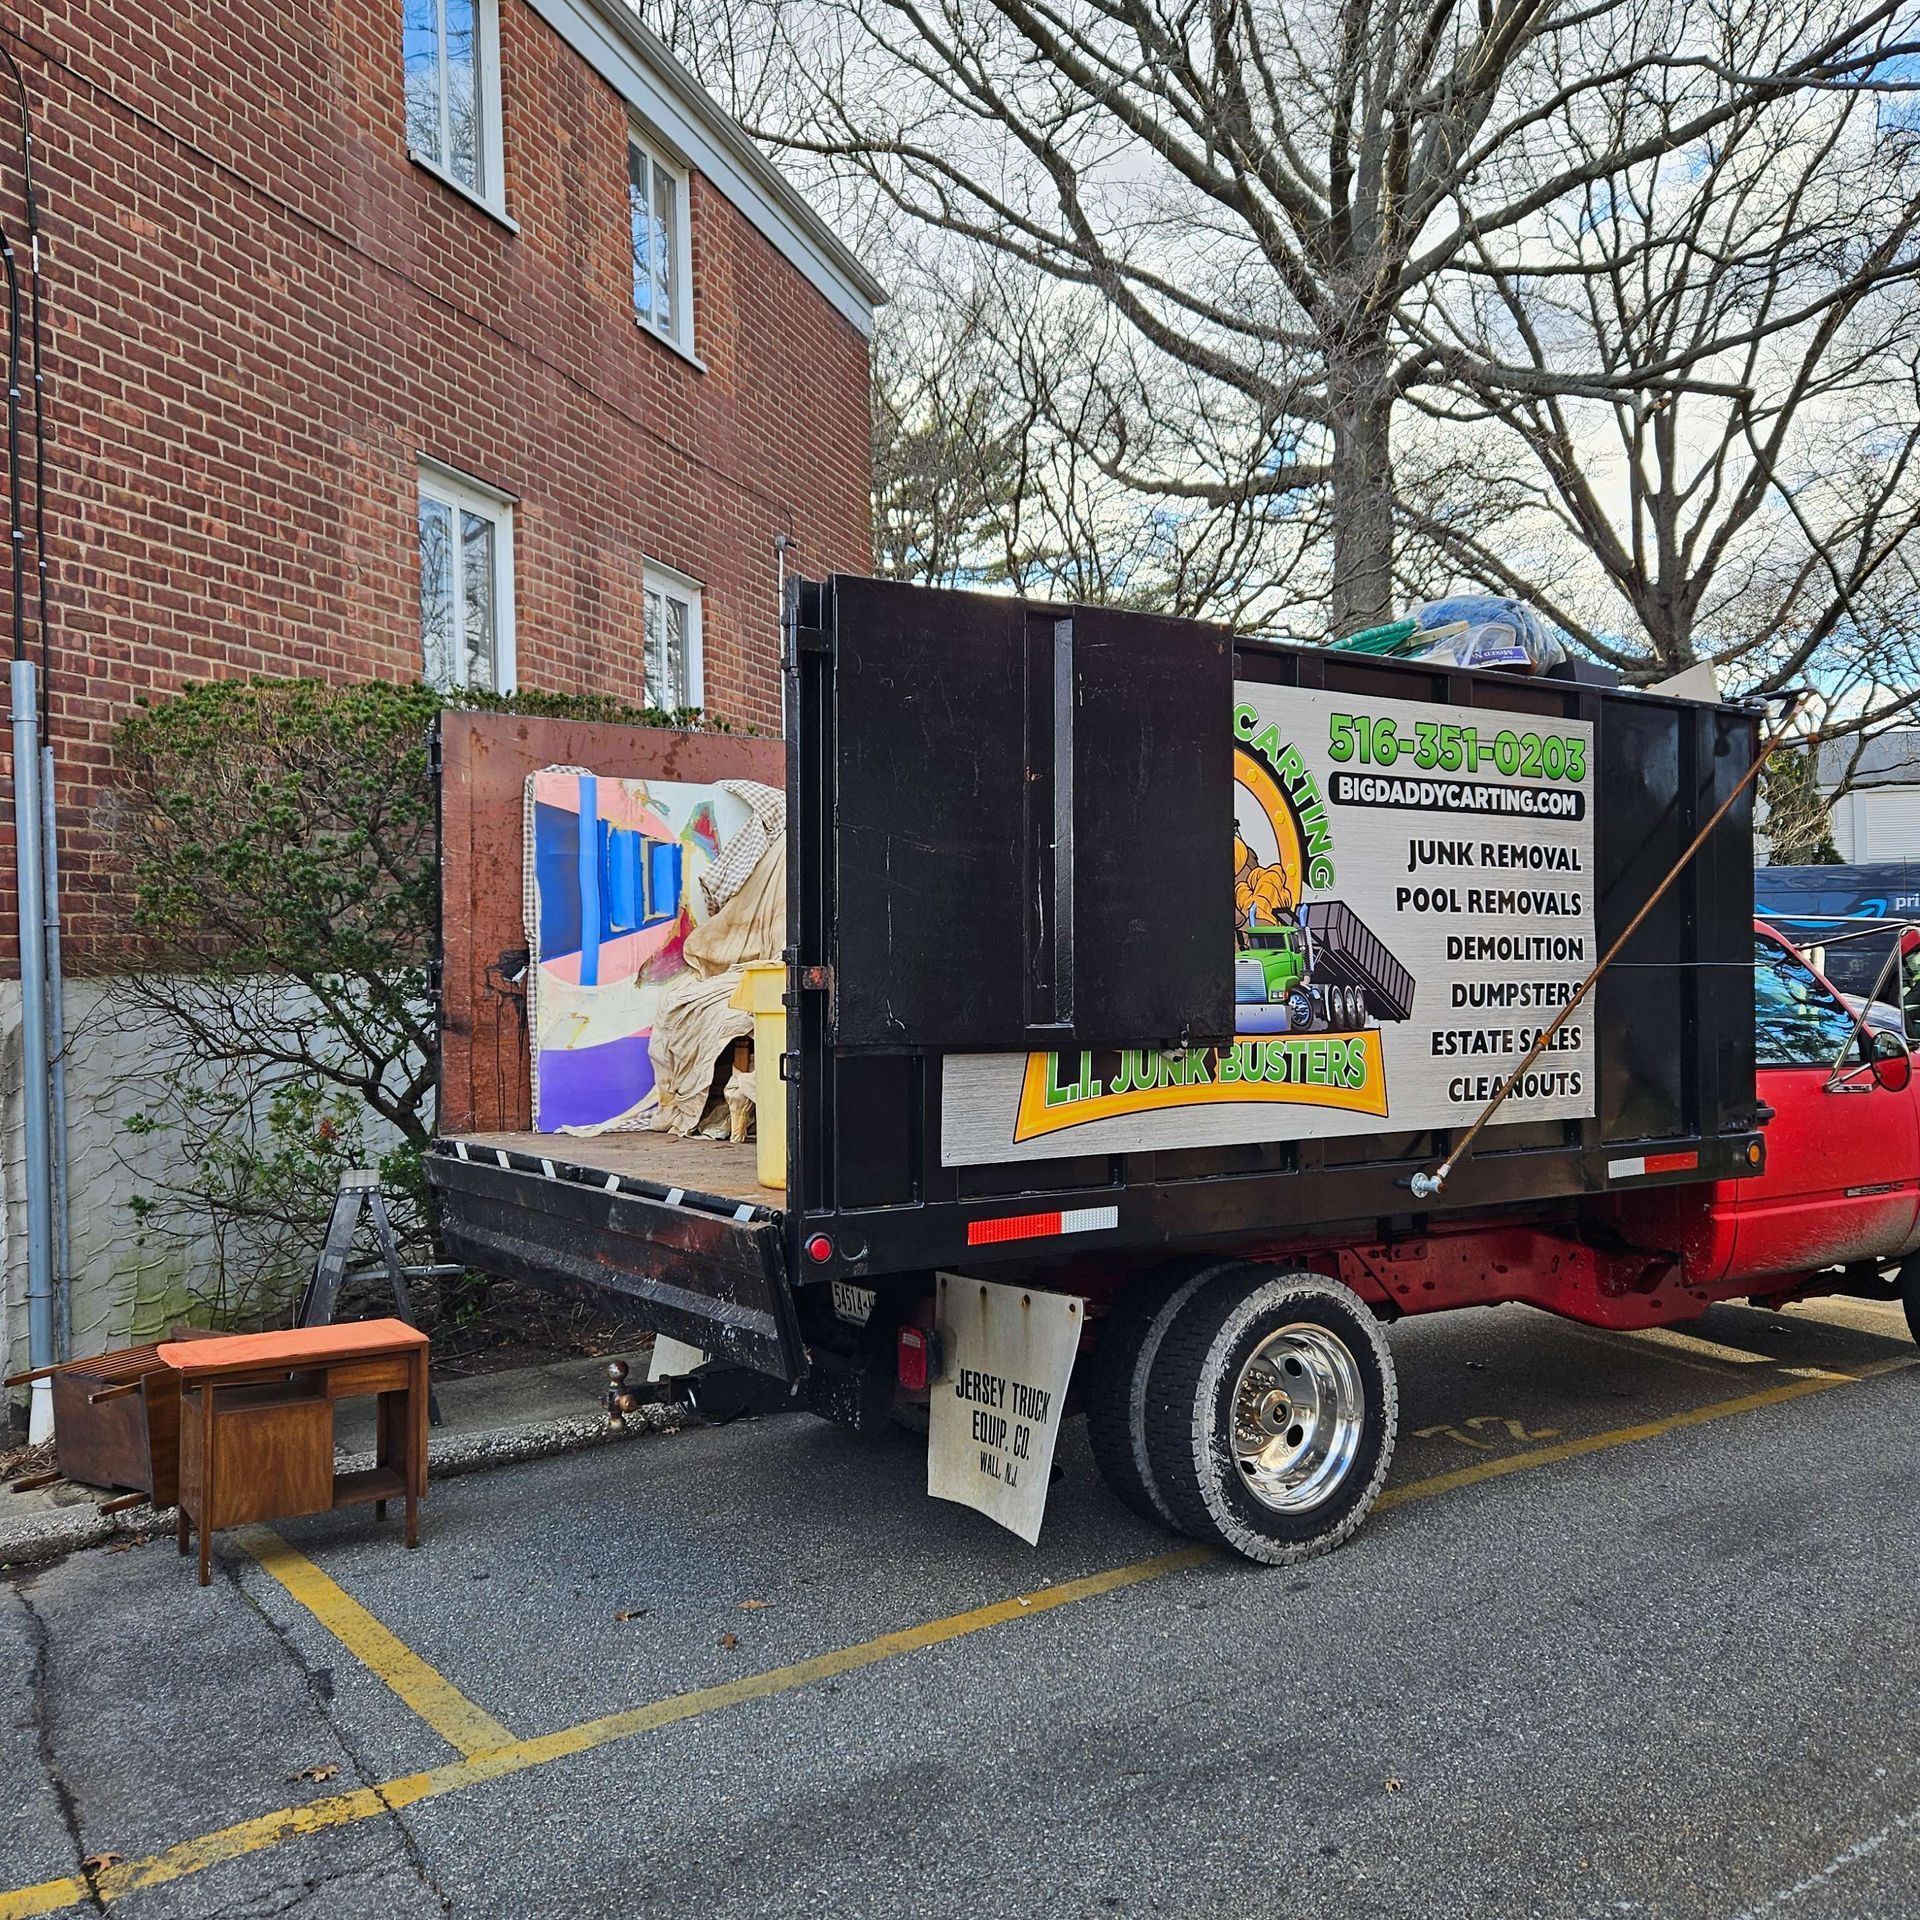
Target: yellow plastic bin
{"x":762,"y":993}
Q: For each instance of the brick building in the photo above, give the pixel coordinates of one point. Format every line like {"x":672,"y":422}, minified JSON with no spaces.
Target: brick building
{"x":391,"y":336}
{"x":465,"y":338}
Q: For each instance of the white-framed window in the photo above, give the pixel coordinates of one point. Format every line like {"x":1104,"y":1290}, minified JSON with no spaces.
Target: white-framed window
{"x":451,"y":50}
{"x":675,"y":677}
{"x":466,"y":582}
{"x":657,"y":210}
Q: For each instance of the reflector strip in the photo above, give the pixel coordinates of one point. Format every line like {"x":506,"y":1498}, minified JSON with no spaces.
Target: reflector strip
{"x":1041,"y":1226}
{"x":1645,"y":1163}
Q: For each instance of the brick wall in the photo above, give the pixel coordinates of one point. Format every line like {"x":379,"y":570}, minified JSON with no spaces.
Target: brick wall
{"x":262,"y":315}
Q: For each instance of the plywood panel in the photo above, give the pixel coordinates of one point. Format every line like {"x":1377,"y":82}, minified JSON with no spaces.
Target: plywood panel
{"x":485,"y":760}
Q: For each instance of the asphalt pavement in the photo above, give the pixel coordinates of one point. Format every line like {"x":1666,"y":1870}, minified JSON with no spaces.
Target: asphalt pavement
{"x":1632,"y":1634}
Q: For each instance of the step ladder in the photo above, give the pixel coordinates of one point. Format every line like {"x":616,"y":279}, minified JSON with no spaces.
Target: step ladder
{"x":359,"y":1195}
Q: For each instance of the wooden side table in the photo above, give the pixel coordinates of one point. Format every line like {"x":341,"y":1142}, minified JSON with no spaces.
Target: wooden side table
{"x":256,"y":1424}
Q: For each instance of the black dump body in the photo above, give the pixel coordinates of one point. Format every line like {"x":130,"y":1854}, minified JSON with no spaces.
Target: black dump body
{"x":976,"y":788}
{"x":1345,"y":954}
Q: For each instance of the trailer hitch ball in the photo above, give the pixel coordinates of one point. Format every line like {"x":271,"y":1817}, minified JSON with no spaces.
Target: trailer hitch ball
{"x":619,"y":1399}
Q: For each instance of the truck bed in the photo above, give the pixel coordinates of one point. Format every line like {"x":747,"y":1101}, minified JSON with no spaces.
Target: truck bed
{"x":715,"y":1168}
{"x":683,"y":1227}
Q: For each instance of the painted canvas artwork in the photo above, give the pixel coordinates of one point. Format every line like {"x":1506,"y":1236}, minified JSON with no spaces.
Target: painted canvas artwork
{"x":613,"y":870}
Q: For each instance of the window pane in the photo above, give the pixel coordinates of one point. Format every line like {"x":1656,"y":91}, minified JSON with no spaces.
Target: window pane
{"x":476,"y":568}
{"x":658,"y":692}
{"x":1797,"y":1022}
{"x":436,"y":592}
{"x":641,"y":224}
{"x":675,"y":651}
{"x":666,"y":216}
{"x":420,"y":44}
{"x":463,"y":94}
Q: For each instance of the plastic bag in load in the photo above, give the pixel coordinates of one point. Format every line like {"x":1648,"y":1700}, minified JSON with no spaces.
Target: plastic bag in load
{"x":1484,"y":630}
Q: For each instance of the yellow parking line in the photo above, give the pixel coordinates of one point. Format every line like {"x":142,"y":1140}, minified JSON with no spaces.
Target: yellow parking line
{"x":50,"y":1896}
{"x":517,"y":1756}
{"x":365,"y":1803}
{"x":1618,"y":1342}
{"x":465,"y":1727}
{"x":1632,"y":1436}
{"x":1673,"y":1339}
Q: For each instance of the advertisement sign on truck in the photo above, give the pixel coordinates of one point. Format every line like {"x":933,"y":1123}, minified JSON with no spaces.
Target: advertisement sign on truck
{"x":1414,"y":895}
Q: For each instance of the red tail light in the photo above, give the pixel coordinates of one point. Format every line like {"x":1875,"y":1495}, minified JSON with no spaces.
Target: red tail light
{"x":911,"y":1357}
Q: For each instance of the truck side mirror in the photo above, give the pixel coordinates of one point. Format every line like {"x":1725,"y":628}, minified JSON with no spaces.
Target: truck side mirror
{"x":1892,"y":1063}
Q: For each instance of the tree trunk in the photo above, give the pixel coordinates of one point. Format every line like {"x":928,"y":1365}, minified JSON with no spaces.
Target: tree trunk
{"x":1361,"y":406}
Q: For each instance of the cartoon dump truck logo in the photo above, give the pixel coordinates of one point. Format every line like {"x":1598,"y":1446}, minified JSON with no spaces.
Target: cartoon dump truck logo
{"x":1315,"y":968}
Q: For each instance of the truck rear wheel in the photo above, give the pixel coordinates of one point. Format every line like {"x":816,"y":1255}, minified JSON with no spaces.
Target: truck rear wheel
{"x":1117,"y":1387}
{"x":1271,"y":1413}
{"x":1910,"y":1296}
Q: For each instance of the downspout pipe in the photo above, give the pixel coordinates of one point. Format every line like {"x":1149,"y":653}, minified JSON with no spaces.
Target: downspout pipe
{"x":36,"y":1077}
{"x":30,"y":899}
{"x":56,"y":1012}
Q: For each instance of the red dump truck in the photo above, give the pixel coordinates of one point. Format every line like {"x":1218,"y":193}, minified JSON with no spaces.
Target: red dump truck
{"x":1040,"y":1161}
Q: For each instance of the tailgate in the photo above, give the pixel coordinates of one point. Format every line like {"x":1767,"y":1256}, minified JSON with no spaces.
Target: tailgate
{"x":703,"y":1268}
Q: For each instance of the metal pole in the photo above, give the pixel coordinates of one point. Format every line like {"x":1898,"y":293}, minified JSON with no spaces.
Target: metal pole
{"x":57,"y":1050}
{"x":31,"y":895}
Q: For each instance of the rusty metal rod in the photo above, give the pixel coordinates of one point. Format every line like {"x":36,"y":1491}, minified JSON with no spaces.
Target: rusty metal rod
{"x":1426,"y":1185}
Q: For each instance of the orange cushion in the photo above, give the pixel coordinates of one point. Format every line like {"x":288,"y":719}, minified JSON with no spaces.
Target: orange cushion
{"x":299,"y":1347}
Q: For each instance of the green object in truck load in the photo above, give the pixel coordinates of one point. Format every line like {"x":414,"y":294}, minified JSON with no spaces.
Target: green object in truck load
{"x":1387,"y":639}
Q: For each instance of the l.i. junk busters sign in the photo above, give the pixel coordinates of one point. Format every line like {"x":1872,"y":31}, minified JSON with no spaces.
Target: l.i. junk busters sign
{"x":1414,"y":895}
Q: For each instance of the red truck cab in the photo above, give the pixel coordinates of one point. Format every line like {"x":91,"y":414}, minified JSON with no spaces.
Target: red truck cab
{"x":1841,"y":1114}
{"x":1842,"y":1181}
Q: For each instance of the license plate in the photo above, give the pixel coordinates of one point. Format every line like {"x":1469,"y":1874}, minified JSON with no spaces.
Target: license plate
{"x":853,"y":1303}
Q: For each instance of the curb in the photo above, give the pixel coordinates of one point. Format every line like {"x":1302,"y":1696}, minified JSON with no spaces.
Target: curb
{"x":57,"y":1531}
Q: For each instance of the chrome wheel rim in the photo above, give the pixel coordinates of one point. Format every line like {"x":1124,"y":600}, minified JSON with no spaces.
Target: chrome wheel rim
{"x":1299,"y":1408}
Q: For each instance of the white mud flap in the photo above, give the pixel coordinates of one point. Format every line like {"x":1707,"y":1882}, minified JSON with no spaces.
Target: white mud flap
{"x":1006,"y":1355}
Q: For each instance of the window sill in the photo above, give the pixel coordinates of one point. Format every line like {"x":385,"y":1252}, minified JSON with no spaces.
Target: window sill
{"x":491,"y":209}
{"x":672,"y":345}
{"x":454,"y":688}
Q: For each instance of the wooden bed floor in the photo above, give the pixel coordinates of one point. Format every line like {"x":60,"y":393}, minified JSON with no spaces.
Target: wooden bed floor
{"x":705,"y":1166}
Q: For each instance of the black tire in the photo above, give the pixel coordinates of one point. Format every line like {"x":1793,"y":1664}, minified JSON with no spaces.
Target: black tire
{"x":1910,"y":1296}
{"x":1213,"y":1334}
{"x":1117,"y":1385}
